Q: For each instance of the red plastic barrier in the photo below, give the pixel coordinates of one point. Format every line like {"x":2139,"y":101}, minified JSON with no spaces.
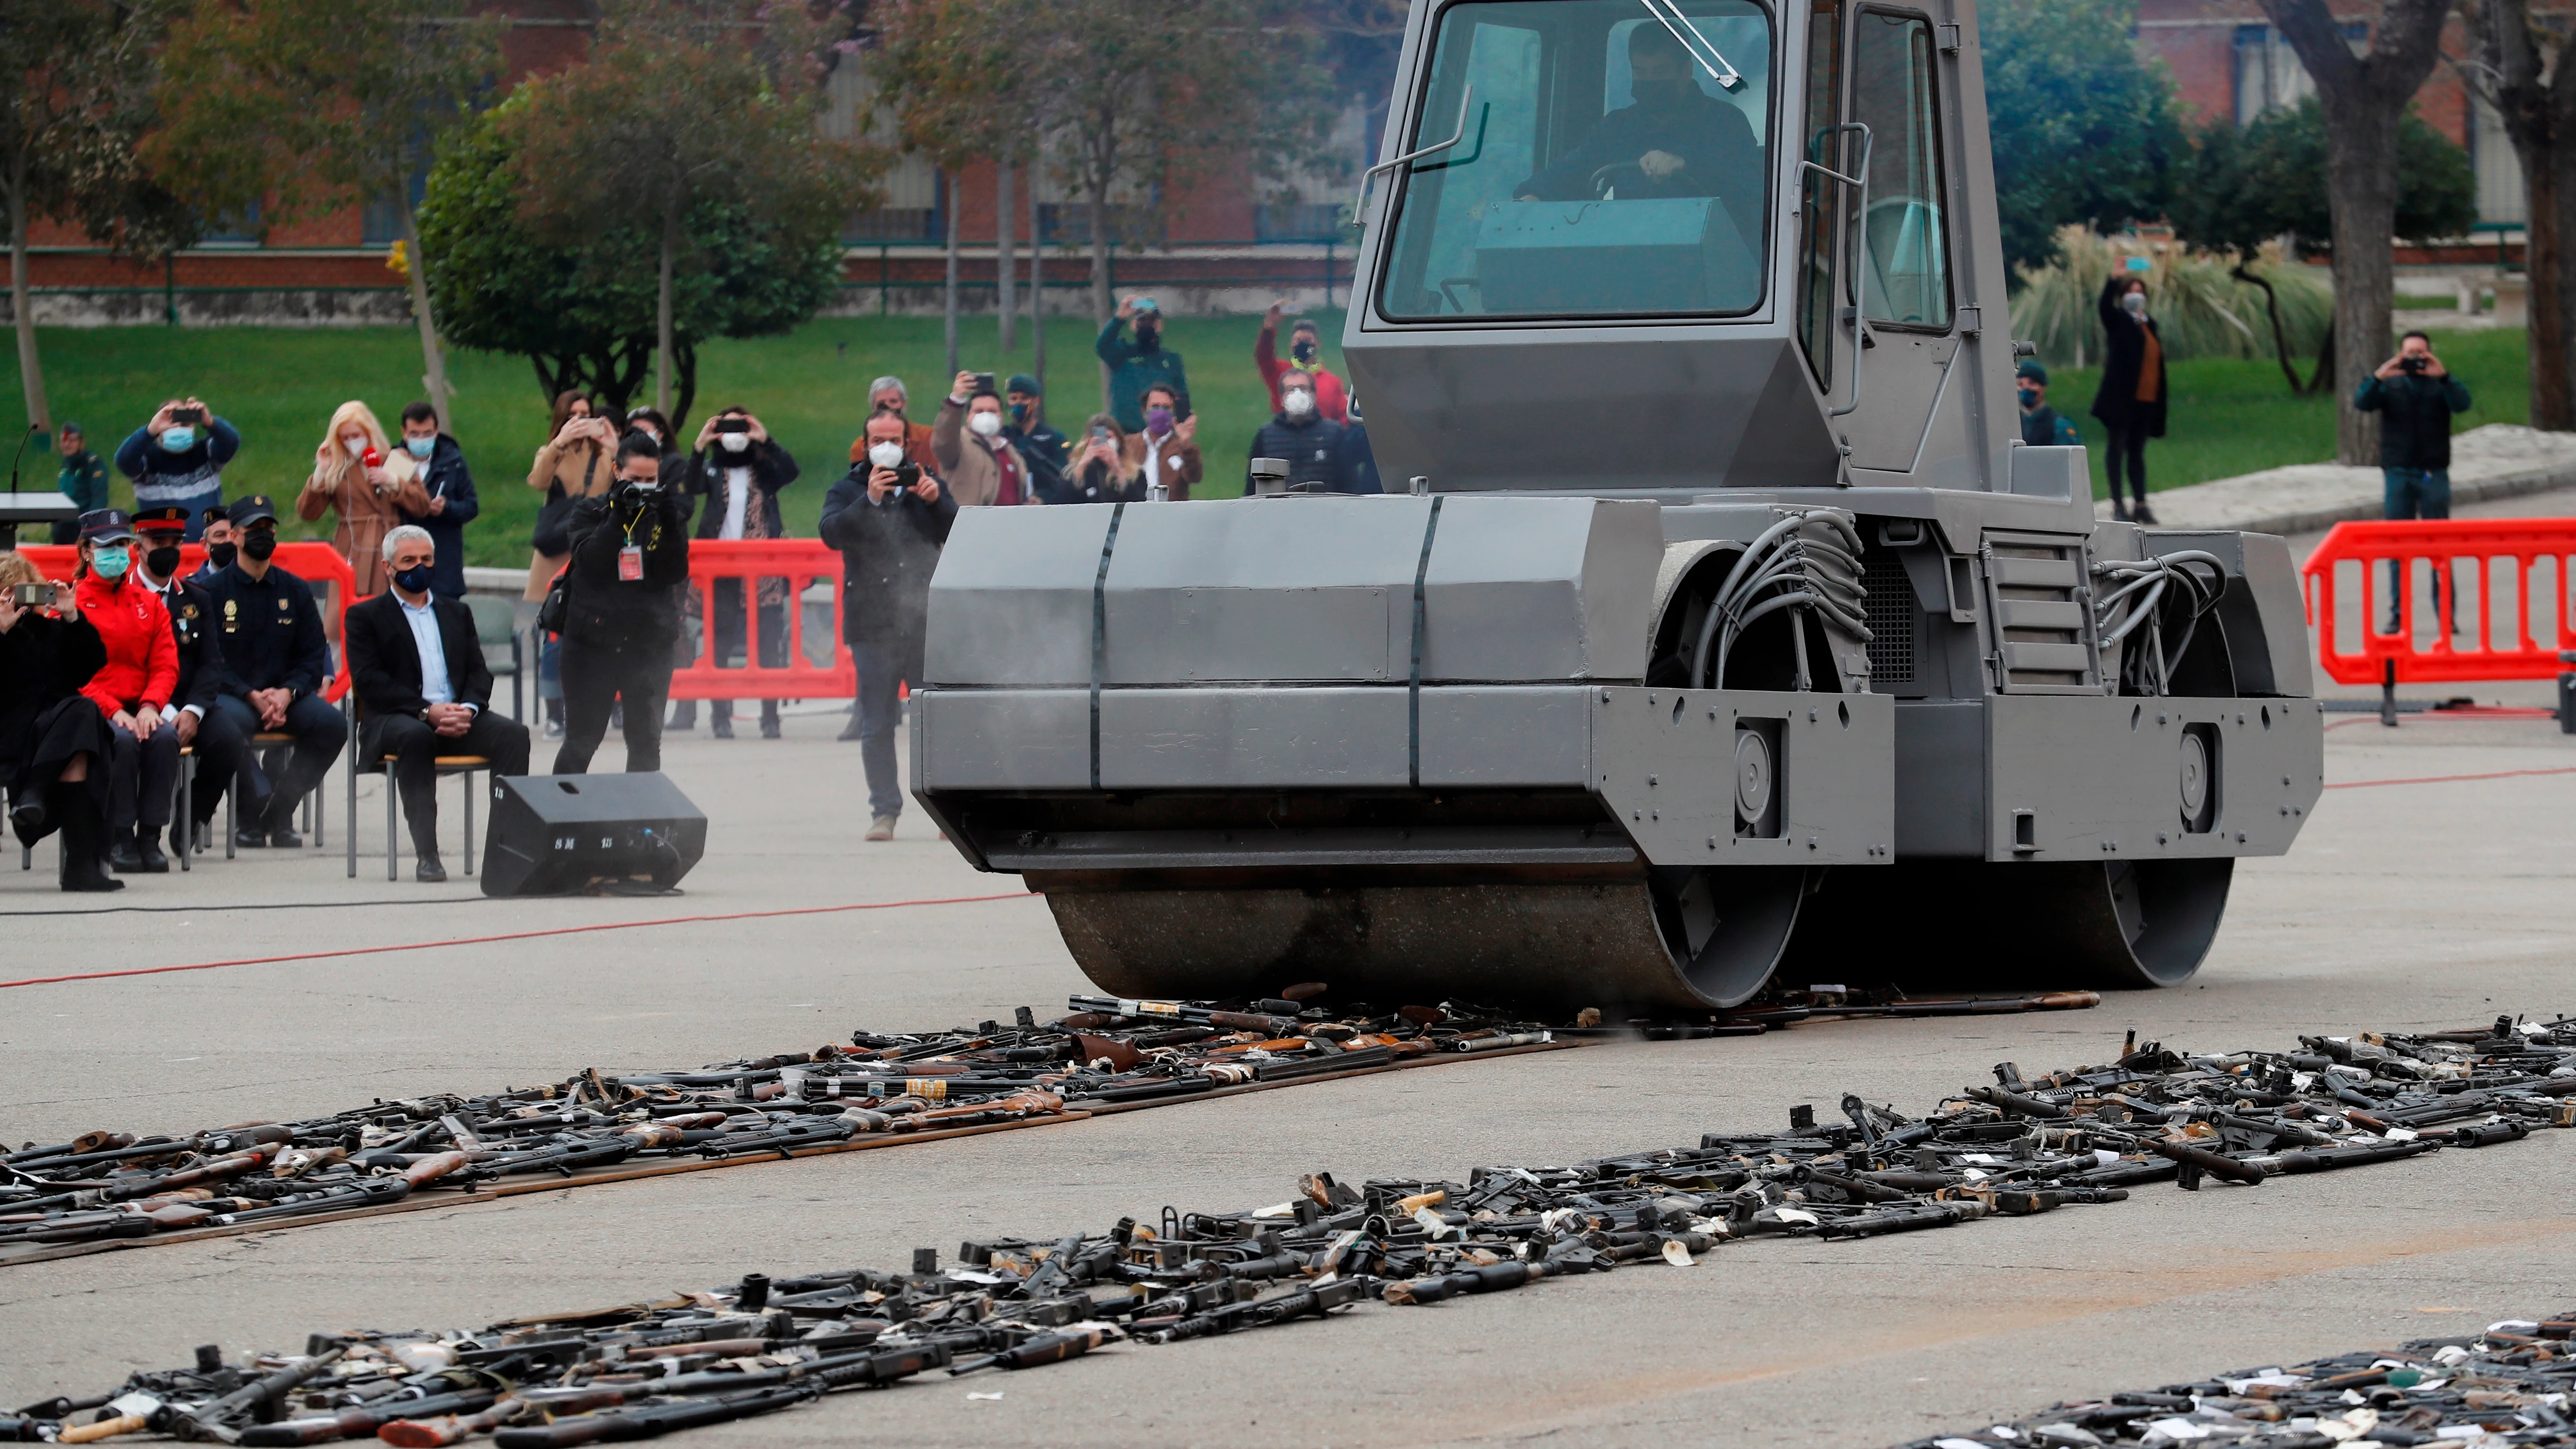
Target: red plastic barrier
{"x":318,"y":564}
{"x":800,"y":561}
{"x":2501,"y":587}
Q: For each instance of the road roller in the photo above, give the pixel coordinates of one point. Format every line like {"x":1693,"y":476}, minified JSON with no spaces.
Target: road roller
{"x":1715,"y":622}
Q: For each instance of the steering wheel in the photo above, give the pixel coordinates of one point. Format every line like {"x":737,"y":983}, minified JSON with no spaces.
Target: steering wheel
{"x":1601,"y":177}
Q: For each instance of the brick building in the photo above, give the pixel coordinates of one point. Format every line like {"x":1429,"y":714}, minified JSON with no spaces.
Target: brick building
{"x":1216,"y":244}
{"x":2228,"y":61}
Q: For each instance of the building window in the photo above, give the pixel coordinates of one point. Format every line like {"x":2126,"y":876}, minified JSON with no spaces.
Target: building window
{"x":241,"y":229}
{"x":380,"y":224}
{"x":2501,"y":199}
{"x":2268,"y":72}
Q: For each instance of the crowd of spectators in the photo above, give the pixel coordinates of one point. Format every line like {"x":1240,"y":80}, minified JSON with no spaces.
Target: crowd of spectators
{"x":108,"y":677}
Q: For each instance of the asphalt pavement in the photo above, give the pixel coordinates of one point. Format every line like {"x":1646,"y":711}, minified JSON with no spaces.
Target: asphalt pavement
{"x":2412,"y":905}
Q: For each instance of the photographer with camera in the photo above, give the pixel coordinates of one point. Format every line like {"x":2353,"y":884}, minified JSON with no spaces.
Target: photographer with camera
{"x":2415,"y":396}
{"x":737,"y":475}
{"x":621,"y":612}
{"x":54,"y":743}
{"x":372,"y":485}
{"x":177,"y":459}
{"x":888,"y":517}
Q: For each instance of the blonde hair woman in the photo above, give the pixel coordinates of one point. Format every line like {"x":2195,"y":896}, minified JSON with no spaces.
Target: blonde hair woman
{"x":371,"y":496}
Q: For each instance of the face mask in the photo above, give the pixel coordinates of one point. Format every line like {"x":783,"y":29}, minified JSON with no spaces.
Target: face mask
{"x":179,"y":439}
{"x":885,"y":455}
{"x":1297,"y":402}
{"x":420,"y":447}
{"x":109,"y":563}
{"x":221,"y":554}
{"x":648,"y":432}
{"x":1148,"y":339}
{"x":985,"y":424}
{"x":734,"y":442}
{"x":2136,"y":302}
{"x":163,"y":561}
{"x":259,"y":545}
{"x":357,"y":446}
{"x":2029,"y":397}
{"x":1020,"y":414}
{"x":414,"y":580}
{"x":1302,"y":351}
{"x":1158,"y":421}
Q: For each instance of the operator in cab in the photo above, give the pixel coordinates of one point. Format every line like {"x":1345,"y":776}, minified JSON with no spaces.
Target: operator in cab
{"x":1673,"y":140}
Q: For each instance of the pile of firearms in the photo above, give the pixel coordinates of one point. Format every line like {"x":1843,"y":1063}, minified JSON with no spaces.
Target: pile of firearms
{"x":2509,"y":1385}
{"x":2027,"y":1144}
{"x":1109,"y":1054}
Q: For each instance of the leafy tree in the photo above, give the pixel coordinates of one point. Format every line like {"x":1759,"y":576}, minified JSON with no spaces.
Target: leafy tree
{"x":688,"y":109}
{"x":2083,"y":131}
{"x":75,"y":95}
{"x":583,"y":309}
{"x":2362,"y":96}
{"x":300,"y":107}
{"x":2241,"y":189}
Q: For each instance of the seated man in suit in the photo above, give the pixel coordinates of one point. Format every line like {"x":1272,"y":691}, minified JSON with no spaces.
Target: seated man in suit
{"x":418,"y":670}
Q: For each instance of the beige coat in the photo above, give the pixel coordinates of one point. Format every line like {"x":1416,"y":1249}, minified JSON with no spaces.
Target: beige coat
{"x":967,"y":468}
{"x":366,"y":515}
{"x":583,"y":470}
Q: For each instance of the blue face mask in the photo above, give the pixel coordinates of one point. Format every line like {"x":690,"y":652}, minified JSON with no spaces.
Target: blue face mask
{"x":110,"y":562}
{"x":179,"y":439}
{"x":414,"y":580}
{"x":420,"y":447}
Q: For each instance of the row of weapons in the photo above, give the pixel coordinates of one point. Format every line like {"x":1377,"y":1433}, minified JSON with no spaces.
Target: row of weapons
{"x":113,"y":1185}
{"x":2026,"y":1144}
{"x":2508,"y":1385}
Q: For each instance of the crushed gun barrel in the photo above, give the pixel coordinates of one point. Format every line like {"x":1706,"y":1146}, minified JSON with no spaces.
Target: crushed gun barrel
{"x":2027,"y":1144}
{"x":2510,"y":1384}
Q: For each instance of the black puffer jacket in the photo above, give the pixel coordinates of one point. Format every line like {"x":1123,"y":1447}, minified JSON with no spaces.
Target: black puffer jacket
{"x":615,"y":613}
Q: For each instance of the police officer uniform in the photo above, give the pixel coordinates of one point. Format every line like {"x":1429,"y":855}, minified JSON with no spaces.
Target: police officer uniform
{"x":219,"y":742}
{"x":270,"y":631}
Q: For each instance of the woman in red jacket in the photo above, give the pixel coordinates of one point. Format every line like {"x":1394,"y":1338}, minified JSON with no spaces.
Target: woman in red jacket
{"x":132,"y":691}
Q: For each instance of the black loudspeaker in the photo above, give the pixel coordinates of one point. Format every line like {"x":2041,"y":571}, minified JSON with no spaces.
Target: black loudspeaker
{"x":557,"y":834}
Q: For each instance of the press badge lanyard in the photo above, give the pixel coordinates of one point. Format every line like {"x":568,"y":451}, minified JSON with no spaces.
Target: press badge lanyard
{"x":630,"y":559}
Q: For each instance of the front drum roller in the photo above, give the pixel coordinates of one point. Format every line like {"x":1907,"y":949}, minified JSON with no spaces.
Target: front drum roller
{"x":1682,"y":941}
{"x":1965,"y":925}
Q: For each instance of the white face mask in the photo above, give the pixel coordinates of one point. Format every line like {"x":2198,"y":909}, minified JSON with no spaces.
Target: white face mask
{"x":734,"y":442}
{"x":2136,"y":302}
{"x":357,"y":446}
{"x":985,"y":424}
{"x":1297,"y":402}
{"x":885,"y":455}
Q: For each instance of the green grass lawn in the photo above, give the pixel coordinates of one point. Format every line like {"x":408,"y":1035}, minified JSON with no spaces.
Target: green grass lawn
{"x":279,"y":385}
{"x":2229,"y":417}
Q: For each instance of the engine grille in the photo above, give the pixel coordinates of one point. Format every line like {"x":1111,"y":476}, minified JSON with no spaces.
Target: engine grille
{"x":1891,"y":611}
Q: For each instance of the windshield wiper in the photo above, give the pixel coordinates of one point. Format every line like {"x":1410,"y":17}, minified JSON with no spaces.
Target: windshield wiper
{"x":1718,"y":67}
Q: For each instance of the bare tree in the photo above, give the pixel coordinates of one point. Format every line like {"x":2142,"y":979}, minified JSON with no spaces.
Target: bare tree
{"x":302,"y":106}
{"x":2517,"y":66}
{"x":2363,"y":96}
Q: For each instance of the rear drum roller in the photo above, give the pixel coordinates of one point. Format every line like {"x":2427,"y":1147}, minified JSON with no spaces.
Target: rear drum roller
{"x":1965,"y":925}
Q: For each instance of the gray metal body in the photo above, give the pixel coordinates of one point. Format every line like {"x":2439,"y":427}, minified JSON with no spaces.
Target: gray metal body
{"x":1469,"y":742}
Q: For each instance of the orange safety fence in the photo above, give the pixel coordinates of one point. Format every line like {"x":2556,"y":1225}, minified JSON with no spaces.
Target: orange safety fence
{"x":318,"y":564}
{"x":2446,"y":600}
{"x":797,"y":563}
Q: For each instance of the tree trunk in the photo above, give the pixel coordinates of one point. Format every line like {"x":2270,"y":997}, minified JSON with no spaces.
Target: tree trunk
{"x":2504,"y":68}
{"x":1101,"y":309}
{"x":956,"y":195}
{"x":684,"y":354}
{"x":662,"y":305}
{"x":1037,"y":288}
{"x":1006,"y":300}
{"x":2553,"y":403}
{"x":2280,"y":336}
{"x":433,"y":360}
{"x":2322,"y":380}
{"x":2361,"y":191}
{"x":31,"y":370}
